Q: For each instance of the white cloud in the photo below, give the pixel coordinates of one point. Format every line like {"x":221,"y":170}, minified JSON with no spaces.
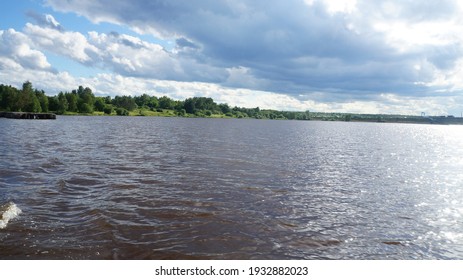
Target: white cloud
{"x":123,"y":54}
{"x":114,"y":84}
{"x":331,"y":55}
{"x":450,"y":79}
{"x":45,"y":20}
{"x":341,"y":6}
{"x":52,"y":21}
{"x":406,"y":37}
{"x":70,"y":44}
{"x":15,"y":50}
{"x":269,"y":40}
{"x":130,"y":55}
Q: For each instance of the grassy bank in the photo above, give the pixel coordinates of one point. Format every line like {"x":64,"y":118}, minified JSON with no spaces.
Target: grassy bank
{"x":278,"y":115}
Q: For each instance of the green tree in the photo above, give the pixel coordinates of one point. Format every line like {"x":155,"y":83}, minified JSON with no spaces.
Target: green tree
{"x":126,"y":102}
{"x":23,"y":98}
{"x":181,"y":112}
{"x":62,"y":103}
{"x":85,"y":108}
{"x":143,"y":100}
{"x":27,"y":100}
{"x":72,"y":101}
{"x":99,"y":104}
{"x":224,"y":108}
{"x":8,"y":98}
{"x":195,"y":104}
{"x":108,"y":109}
{"x":166,"y":103}
{"x":33,"y":105}
{"x":122,"y":112}
{"x":85,"y":100}
{"x":190,"y":106}
{"x":53,"y":104}
{"x":43,"y":100}
{"x":153,"y":103}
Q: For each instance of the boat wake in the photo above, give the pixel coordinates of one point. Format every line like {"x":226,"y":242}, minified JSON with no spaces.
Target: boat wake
{"x":8,"y":212}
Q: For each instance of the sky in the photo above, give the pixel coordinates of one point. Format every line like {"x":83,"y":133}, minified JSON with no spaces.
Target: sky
{"x":357,"y":56}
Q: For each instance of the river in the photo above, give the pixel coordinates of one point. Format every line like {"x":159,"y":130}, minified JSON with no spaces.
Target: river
{"x":180,"y":188}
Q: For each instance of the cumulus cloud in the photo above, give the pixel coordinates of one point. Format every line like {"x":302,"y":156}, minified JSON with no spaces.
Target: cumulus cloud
{"x":124,"y":54}
{"x":394,"y":56}
{"x":115,"y":84}
{"x":129,"y":55}
{"x":70,"y":44}
{"x":16,"y":52}
{"x":363,"y":48}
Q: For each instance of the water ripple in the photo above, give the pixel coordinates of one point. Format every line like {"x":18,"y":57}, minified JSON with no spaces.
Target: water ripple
{"x":168,"y":188}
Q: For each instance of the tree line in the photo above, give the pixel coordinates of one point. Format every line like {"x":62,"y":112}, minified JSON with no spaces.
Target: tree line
{"x":83,"y":101}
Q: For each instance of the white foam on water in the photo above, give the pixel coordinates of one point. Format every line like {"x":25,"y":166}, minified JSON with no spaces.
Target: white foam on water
{"x":8,"y":212}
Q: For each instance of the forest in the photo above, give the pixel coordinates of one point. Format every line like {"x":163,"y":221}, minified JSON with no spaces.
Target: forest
{"x":83,"y":101}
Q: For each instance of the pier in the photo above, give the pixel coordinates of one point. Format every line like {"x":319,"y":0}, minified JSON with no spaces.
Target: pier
{"x":28,"y":115}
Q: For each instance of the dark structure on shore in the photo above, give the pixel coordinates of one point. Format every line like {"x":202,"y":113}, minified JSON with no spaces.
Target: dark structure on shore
{"x":28,"y":116}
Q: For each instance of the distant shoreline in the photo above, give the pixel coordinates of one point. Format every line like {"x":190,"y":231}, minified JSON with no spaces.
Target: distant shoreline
{"x":314,"y":116}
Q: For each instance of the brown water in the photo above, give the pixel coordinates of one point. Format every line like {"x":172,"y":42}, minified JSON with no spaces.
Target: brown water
{"x":173,"y":188}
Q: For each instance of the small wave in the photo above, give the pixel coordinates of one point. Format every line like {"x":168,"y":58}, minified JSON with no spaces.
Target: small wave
{"x":8,"y":212}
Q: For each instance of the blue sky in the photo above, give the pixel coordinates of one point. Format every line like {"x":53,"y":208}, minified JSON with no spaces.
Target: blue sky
{"x":363,"y":56}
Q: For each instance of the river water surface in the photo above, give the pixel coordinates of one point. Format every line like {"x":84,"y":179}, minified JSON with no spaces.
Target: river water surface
{"x":178,"y":188}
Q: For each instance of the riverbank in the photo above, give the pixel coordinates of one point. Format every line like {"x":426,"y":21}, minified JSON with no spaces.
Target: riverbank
{"x":269,"y":114}
{"x":309,"y":116}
